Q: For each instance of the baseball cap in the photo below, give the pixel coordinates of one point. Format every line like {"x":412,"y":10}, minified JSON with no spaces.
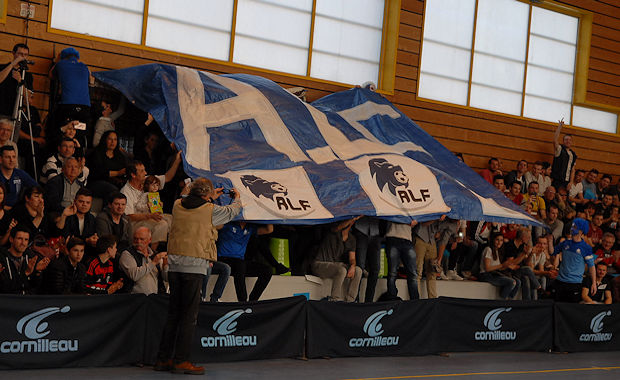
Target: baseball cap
{"x":65,"y":53}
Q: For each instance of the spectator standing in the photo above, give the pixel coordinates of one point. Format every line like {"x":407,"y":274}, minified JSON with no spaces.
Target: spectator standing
{"x":74,"y":78}
{"x":564,"y":158}
{"x":368,"y":252}
{"x":399,"y":247}
{"x":192,"y":247}
{"x":107,"y":119}
{"x":575,"y":252}
{"x":426,"y":253}
{"x":10,"y":77}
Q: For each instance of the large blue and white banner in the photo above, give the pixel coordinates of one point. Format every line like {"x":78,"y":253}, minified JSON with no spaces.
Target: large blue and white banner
{"x":349,"y":153}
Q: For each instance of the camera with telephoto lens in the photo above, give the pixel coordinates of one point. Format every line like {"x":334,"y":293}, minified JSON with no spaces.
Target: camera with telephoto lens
{"x":23,"y":65}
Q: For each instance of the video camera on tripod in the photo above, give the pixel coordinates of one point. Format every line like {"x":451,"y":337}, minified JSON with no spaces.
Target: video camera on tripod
{"x":23,"y":65}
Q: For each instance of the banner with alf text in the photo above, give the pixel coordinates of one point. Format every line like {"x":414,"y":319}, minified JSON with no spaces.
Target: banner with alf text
{"x":71,"y":331}
{"x":587,"y":327}
{"x":237,"y":331}
{"x":484,"y":325}
{"x":371,"y":329}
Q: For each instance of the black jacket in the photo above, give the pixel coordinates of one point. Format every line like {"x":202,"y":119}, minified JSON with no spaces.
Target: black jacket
{"x":13,"y":280}
{"x":60,"y":277}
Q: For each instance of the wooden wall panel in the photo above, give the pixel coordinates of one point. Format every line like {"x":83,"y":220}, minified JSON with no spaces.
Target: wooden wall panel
{"x":475,"y":133}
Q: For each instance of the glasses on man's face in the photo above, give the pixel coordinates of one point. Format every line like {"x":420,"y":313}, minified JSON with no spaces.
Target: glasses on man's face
{"x":563,"y":195}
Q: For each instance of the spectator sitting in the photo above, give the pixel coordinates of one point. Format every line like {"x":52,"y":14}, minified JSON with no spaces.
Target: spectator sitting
{"x":604,"y":207}
{"x":6,"y":221}
{"x":60,"y":191}
{"x":108,"y":117}
{"x":587,"y":212}
{"x":602,"y":186}
{"x":519,"y":251}
{"x":564,"y":158}
{"x":53,"y":166}
{"x":399,"y":247}
{"x":6,"y":130}
{"x":74,"y":77}
{"x":595,"y":234}
{"x":546,"y":178}
{"x":77,"y":221}
{"x":144,"y":272}
{"x":498,"y":182}
{"x":575,"y":189}
{"x":556,"y":225}
{"x":518,"y":175}
{"x":539,"y":210}
{"x":137,"y":201}
{"x":540,"y":264}
{"x":223,"y":274}
{"x":13,"y":179}
{"x":100,"y":273}
{"x":613,"y":221}
{"x":575,"y":252}
{"x":113,"y":221}
{"x":491,"y":266}
{"x":69,"y":131}
{"x":589,"y":186}
{"x":535,"y":175}
{"x":30,"y":213}
{"x":566,"y":212}
{"x":605,"y":253}
{"x":336,"y":260}
{"x":65,"y":275}
{"x":108,"y":165}
{"x":20,"y":268}
{"x":603,"y":287}
{"x":492,"y":171}
{"x":514,"y":193}
{"x":147,"y":154}
{"x":231,"y":249}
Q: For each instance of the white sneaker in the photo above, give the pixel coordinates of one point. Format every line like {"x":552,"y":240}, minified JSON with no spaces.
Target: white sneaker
{"x":453,"y":276}
{"x":441,"y":276}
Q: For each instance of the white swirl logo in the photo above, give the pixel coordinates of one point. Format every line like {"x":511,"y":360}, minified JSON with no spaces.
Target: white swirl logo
{"x":32,"y":325}
{"x":228,"y":323}
{"x":597,"y":322}
{"x":492,"y":320}
{"x":373,"y":327}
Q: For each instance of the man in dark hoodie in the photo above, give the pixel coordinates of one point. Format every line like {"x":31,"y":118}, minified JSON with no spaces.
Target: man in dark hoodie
{"x":66,"y":274}
{"x":20,"y":268}
{"x":191,"y":245}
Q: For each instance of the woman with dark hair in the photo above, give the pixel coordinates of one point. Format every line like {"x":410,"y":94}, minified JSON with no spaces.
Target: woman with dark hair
{"x":6,"y":221}
{"x":108,"y":166}
{"x":30,"y":212}
{"x":492,"y":264}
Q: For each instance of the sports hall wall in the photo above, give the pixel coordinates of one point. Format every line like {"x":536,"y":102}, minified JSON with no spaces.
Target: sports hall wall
{"x":477,"y":134}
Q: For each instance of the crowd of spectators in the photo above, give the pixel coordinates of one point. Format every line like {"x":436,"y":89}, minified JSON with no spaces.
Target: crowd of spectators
{"x":94,"y":216}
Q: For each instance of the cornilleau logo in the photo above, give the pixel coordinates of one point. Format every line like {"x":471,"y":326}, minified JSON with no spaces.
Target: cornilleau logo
{"x":493,"y":323}
{"x":225,"y":327}
{"x":33,"y":327}
{"x":596,"y":325}
{"x":374,"y":328}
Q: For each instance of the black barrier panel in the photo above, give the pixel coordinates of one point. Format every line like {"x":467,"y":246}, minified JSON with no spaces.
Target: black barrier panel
{"x":481,"y":325}
{"x":71,"y":331}
{"x":238,"y":331}
{"x":370,"y":329}
{"x":587,"y":327}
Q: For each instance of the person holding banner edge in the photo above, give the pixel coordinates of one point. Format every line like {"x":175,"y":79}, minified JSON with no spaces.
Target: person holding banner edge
{"x":191,"y":246}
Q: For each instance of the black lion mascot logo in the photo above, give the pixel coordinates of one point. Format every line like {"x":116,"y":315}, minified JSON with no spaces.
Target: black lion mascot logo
{"x":386,"y":173}
{"x":259,"y":186}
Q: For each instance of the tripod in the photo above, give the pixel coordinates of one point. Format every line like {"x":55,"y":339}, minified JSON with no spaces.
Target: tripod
{"x":20,"y":115}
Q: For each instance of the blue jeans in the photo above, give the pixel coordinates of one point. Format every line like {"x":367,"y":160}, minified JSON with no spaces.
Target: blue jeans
{"x":508,"y":286}
{"x":223,"y":272}
{"x":529,"y":282}
{"x":368,"y":256}
{"x":401,"y":249}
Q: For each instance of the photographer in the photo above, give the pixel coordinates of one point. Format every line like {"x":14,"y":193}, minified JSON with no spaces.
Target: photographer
{"x":10,"y":78}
